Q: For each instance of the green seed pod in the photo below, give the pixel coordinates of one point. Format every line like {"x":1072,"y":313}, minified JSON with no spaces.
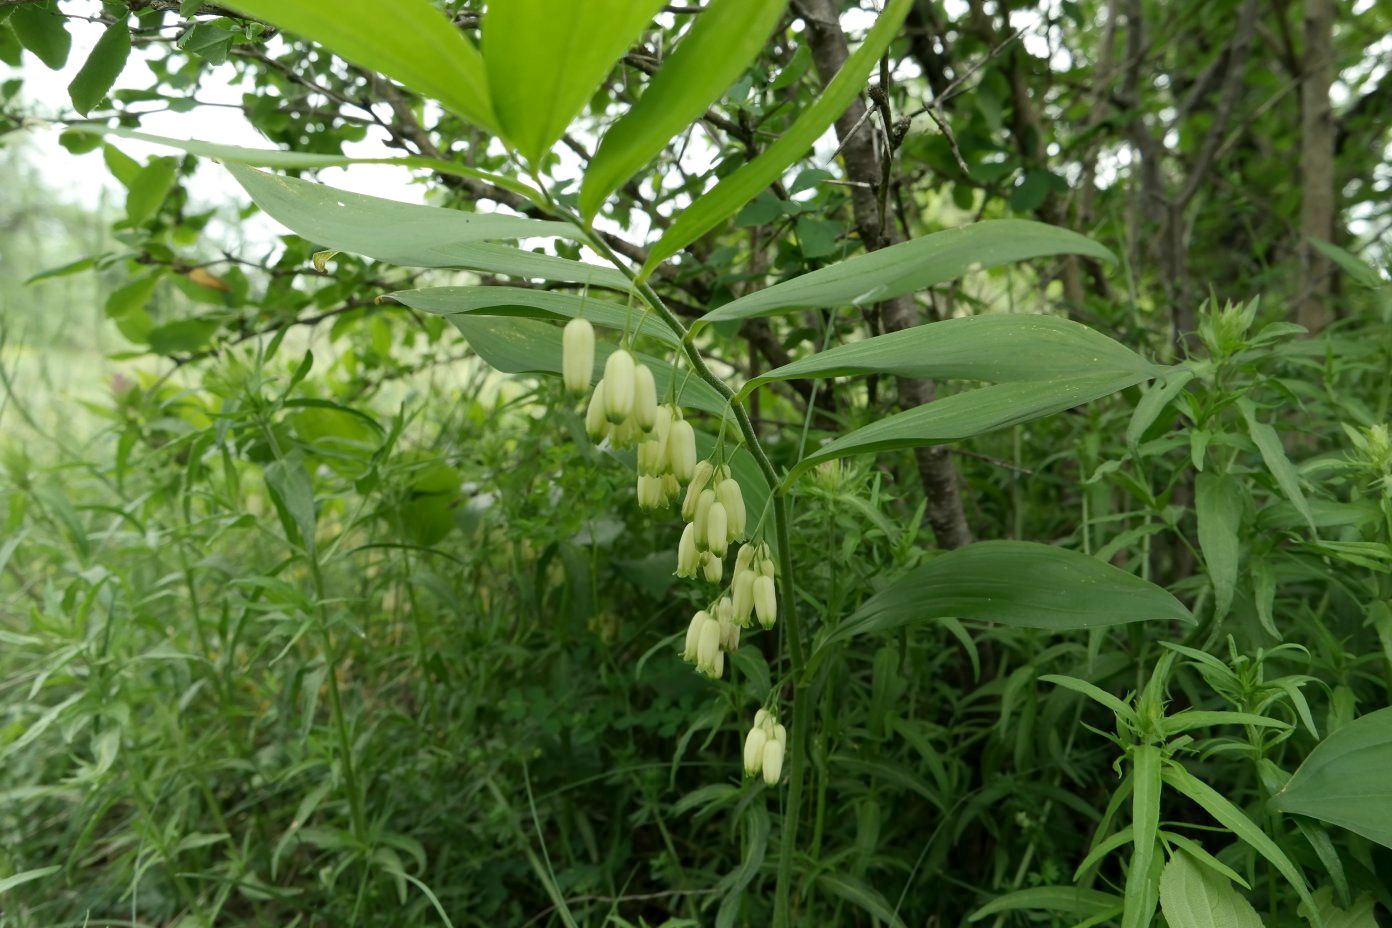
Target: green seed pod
{"x":577,"y":355}
{"x":754,"y":750}
{"x":717,"y":527}
{"x":765,"y":601}
{"x":644,"y":398}
{"x":681,"y":448}
{"x":773,"y":762}
{"x":618,"y":386}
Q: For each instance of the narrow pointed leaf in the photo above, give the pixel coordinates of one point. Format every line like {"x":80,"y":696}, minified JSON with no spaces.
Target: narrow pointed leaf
{"x":1145,"y":825}
{"x":972,"y":412}
{"x":995,"y":348}
{"x":708,"y":58}
{"x":1218,"y":505}
{"x":546,"y":58}
{"x":1067,"y":899}
{"x":1015,"y":583}
{"x":911,"y":266}
{"x":732,"y":192}
{"x":412,"y":235}
{"x":1345,"y":781}
{"x":407,"y":40}
{"x":534,"y":304}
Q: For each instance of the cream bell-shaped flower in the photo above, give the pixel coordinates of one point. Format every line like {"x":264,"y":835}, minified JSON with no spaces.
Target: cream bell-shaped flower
{"x":681,"y":447}
{"x":730,"y":496}
{"x":773,"y":761}
{"x":754,"y":750}
{"x":700,"y":476}
{"x":760,"y":717}
{"x":618,"y":386}
{"x":688,"y":558}
{"x":717,"y":528}
{"x":693,"y":635}
{"x":765,"y":601}
{"x":596,"y":426}
{"x":744,"y":558}
{"x":702,"y":517}
{"x":712,"y":567}
{"x":577,"y":355}
{"x":644,"y":397}
{"x":742,"y":595}
{"x":709,"y":657}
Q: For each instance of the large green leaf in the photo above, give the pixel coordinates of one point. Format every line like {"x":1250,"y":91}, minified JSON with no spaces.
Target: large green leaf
{"x":996,"y":348}
{"x":973,"y":412}
{"x":1347,"y":779}
{"x":534,"y":304}
{"x":101,"y":68}
{"x":709,"y":57}
{"x":408,"y":40}
{"x":1015,"y":583}
{"x":296,"y":160}
{"x":732,"y":192}
{"x":1218,"y":505}
{"x":411,"y":235}
{"x":546,"y":58}
{"x":41,"y":29}
{"x":912,"y":265}
{"x":1193,"y":896}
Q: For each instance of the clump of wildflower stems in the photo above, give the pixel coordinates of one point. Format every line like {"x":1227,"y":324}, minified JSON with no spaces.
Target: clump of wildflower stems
{"x":762,"y":571}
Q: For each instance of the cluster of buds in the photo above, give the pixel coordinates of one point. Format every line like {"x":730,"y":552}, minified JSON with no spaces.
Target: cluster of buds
{"x":623,"y":407}
{"x":753,"y":588}
{"x":764,"y":747}
{"x":710,"y":635}
{"x":715,"y":514}
{"x":666,"y":457}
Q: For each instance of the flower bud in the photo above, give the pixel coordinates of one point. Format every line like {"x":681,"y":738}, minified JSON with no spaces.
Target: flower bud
{"x":708,"y":647}
{"x":713,"y":566}
{"x":577,"y":355}
{"x":754,"y":750}
{"x":765,"y":601}
{"x":693,"y":635}
{"x":681,"y":449}
{"x":688,"y":558}
{"x":742,"y":595}
{"x":744,"y":558}
{"x":760,"y":717}
{"x":730,"y":496}
{"x":596,"y":426}
{"x":773,"y":762}
{"x":662,"y":427}
{"x":618,"y":386}
{"x":644,"y":397}
{"x":780,"y":734}
{"x":717,"y":529}
{"x":700,"y":476}
{"x":766,"y":568}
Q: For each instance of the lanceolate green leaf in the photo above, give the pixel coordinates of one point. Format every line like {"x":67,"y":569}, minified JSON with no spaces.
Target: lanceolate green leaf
{"x":731,"y":193}
{"x":101,"y":68}
{"x":963,"y":415}
{"x":1014,"y":583}
{"x":546,"y":58}
{"x":1145,"y":825}
{"x":1192,"y":896}
{"x":1218,"y":505}
{"x":1067,"y":899}
{"x":411,"y":235}
{"x":294,"y":160}
{"x":407,"y":40}
{"x":708,"y":58}
{"x":912,"y":265}
{"x":1347,"y":779}
{"x":996,"y":348}
{"x":535,"y":304}
{"x":42,"y":30}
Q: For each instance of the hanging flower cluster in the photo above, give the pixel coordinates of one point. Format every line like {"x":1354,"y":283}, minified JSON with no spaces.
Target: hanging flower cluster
{"x":764,"y":747}
{"x":624,"y":411}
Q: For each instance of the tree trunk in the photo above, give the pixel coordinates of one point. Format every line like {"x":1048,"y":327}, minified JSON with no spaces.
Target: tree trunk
{"x":935,"y":468}
{"x":1316,"y":165}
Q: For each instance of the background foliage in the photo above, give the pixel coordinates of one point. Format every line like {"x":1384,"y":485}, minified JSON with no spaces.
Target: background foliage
{"x":466,"y":706}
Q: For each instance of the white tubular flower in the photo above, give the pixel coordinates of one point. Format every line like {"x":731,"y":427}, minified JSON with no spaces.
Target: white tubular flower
{"x":681,"y":448}
{"x":596,"y":426}
{"x":754,"y":750}
{"x":577,"y":355}
{"x":650,"y":495}
{"x":765,"y":601}
{"x":729,"y":636}
{"x":766,"y":567}
{"x":708,"y":651}
{"x":744,"y":558}
{"x":644,"y":397}
{"x":625,"y":434}
{"x":713,"y":566}
{"x":688,"y":558}
{"x":693,"y":636}
{"x":618,"y":386}
{"x":652,"y":457}
{"x":760,"y":717}
{"x":700,"y":476}
{"x":701,"y":519}
{"x":780,"y":734}
{"x":717,"y":528}
{"x":730,"y":496}
{"x":671,"y":489}
{"x":742,"y":595}
{"x":773,"y":762}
